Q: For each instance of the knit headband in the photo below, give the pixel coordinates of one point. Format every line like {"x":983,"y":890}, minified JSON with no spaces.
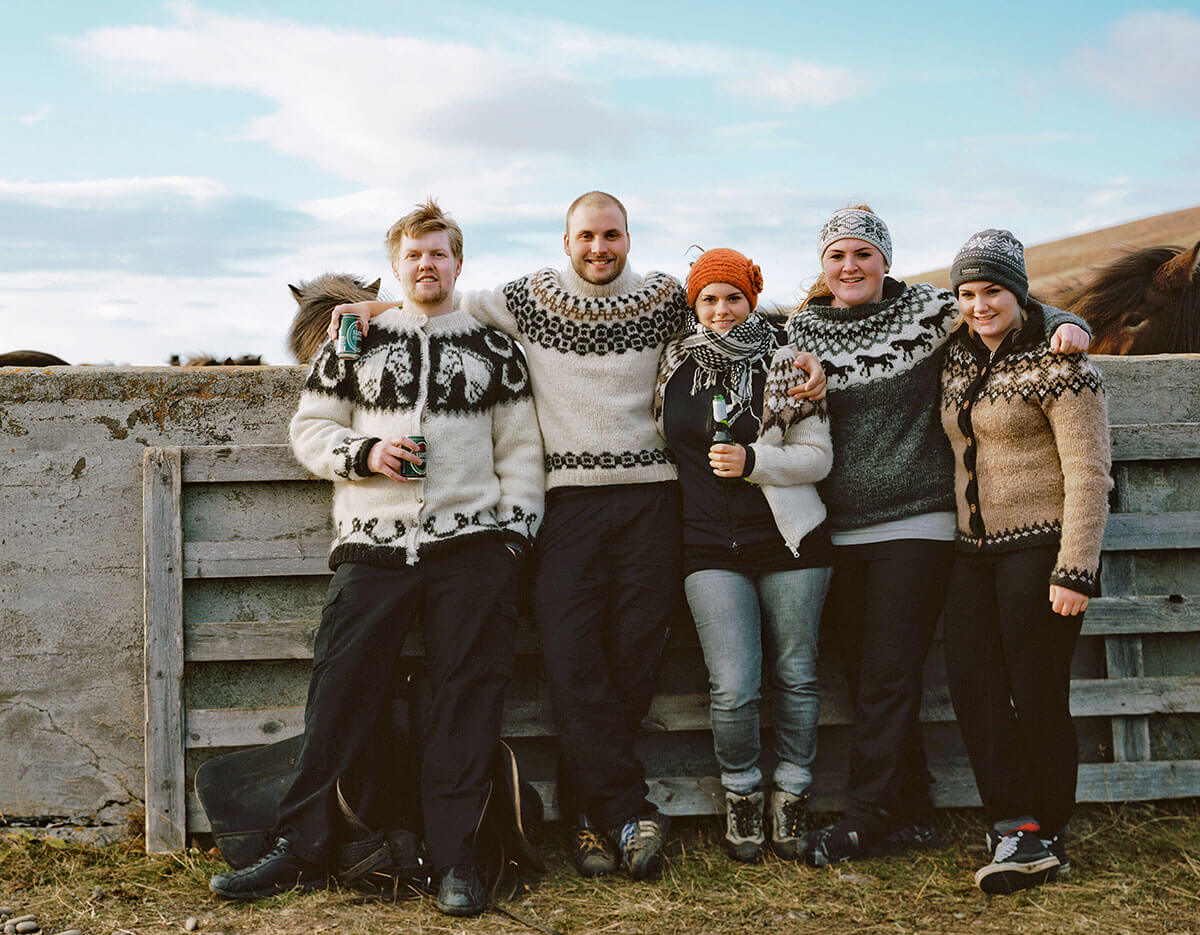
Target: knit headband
{"x":728,"y":266}
{"x":992,"y":256}
{"x":861,"y":225}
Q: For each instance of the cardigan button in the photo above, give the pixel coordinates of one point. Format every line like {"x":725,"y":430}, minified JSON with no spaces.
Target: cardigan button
{"x":969,"y":442}
{"x":972,"y":507}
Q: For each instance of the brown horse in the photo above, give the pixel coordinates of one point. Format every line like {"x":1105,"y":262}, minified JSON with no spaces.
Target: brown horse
{"x":1146,"y":302}
{"x":31,"y":359}
{"x":317,"y":299}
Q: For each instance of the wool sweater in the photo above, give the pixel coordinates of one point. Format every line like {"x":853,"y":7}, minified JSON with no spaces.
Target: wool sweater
{"x":593,"y":355}
{"x":1029,"y":431}
{"x":791,"y":453}
{"x":881,"y":361}
{"x":461,"y":385}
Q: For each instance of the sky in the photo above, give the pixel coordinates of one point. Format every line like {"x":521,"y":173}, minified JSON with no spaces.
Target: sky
{"x":167,"y":169}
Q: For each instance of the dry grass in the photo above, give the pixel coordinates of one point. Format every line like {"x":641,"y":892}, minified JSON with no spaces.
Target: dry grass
{"x":1133,"y":872}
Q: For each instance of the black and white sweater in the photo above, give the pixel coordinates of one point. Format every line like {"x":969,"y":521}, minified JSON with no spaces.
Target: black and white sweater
{"x":891,"y":459}
{"x":593,"y":356}
{"x":461,"y":385}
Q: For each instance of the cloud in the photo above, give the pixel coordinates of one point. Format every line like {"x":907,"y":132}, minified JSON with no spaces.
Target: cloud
{"x":164,"y":226}
{"x":39,"y":115}
{"x":797,"y":83}
{"x":1149,"y":58}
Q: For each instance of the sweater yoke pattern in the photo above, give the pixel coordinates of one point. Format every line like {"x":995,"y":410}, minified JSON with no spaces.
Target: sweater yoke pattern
{"x":870,"y":342}
{"x":559,"y":320}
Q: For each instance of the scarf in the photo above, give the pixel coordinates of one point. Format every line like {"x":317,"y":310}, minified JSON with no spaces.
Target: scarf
{"x":727,"y":358}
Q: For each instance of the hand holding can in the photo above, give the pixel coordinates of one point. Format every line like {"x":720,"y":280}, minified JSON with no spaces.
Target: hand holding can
{"x":349,"y":333}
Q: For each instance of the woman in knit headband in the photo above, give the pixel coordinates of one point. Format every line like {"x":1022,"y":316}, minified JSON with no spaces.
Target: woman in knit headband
{"x":1029,"y":433}
{"x":756,"y":557}
{"x":890,"y":498}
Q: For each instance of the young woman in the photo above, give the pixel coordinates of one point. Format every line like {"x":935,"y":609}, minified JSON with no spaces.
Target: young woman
{"x":756,"y":557}
{"x":1029,"y":433}
{"x":890,"y":499}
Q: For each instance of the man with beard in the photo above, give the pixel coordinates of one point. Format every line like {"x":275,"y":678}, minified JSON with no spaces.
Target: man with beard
{"x":443,"y":544}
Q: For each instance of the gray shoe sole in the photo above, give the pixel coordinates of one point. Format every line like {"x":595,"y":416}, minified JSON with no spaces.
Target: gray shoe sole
{"x":999,"y":879}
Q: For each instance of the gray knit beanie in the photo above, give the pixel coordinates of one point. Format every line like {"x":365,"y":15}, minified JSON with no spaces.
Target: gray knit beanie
{"x":992,"y":256}
{"x":861,"y":225}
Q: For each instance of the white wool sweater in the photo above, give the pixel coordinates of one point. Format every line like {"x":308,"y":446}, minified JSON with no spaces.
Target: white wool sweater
{"x":593,"y":356}
{"x":461,"y":385}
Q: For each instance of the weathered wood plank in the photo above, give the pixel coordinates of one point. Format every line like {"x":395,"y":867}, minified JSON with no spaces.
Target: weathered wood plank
{"x":239,"y":727}
{"x":1151,"y":613}
{"x":954,"y":788}
{"x":1139,"y":531}
{"x":163,"y":647}
{"x":250,"y":558}
{"x":233,"y":463}
{"x":1150,"y":442}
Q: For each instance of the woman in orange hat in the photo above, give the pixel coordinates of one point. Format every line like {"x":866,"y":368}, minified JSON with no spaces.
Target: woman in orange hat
{"x":756,"y":556}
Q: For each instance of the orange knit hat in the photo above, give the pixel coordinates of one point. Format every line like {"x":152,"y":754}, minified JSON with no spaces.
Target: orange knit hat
{"x":728,"y":266}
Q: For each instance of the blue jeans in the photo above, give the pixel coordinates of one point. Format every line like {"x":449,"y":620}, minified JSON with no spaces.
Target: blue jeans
{"x":738,"y":618}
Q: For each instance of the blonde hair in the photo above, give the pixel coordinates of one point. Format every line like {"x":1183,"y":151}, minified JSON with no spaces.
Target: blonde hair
{"x":820,"y":288}
{"x":426,"y":218}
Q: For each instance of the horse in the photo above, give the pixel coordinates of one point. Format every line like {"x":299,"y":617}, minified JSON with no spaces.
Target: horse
{"x":1146,"y":302}
{"x":31,"y":359}
{"x":208,"y":360}
{"x":316,"y":299}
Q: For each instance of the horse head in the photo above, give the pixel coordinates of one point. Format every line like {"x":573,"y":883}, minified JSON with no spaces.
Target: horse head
{"x":1146,"y":302}
{"x":316,"y":299}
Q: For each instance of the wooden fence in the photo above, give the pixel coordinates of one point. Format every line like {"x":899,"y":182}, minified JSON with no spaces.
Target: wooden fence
{"x":236,"y":542}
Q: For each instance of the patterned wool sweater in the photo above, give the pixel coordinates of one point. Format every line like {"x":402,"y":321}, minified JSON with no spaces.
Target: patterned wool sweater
{"x":593,"y":356}
{"x":881,"y":361}
{"x":461,"y":385}
{"x":1029,"y":431}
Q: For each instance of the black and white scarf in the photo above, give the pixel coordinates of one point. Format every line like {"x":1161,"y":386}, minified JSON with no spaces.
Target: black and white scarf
{"x":728,"y":358}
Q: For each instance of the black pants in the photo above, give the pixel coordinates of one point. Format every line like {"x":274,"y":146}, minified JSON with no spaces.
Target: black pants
{"x":1008,"y":659}
{"x":883,"y":604}
{"x":606,"y":586}
{"x":463,"y":596}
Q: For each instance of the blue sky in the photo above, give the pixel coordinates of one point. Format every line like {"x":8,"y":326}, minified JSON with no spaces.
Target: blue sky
{"x":168,"y":168}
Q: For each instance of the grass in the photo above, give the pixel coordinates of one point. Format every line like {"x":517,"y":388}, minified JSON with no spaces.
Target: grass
{"x":1133,"y":871}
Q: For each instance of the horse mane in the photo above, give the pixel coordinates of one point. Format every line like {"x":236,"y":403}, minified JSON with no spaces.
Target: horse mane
{"x":1106,"y":299}
{"x":316,"y":299}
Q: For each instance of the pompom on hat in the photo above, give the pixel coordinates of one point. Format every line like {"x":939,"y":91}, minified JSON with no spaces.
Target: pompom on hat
{"x":859,"y":224}
{"x":992,"y":256}
{"x":725,"y":265}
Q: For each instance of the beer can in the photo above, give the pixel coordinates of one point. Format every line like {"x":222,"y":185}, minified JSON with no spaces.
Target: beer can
{"x":407,"y":468}
{"x":348,"y":337}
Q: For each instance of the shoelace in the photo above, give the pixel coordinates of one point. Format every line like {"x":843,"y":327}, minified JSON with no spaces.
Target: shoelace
{"x":744,"y":816}
{"x":637,"y":831}
{"x":590,"y":842}
{"x":1008,"y":846}
{"x":793,"y":817}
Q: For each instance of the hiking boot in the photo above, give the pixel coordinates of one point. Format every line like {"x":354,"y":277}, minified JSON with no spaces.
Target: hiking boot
{"x":1020,"y":859}
{"x":744,"y":835}
{"x":641,"y":841}
{"x":277,"y":871}
{"x":907,"y":837}
{"x":789,"y":822}
{"x":833,"y":844}
{"x":461,"y":892}
{"x":591,"y":852}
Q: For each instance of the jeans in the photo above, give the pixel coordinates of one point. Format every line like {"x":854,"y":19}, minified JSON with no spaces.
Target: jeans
{"x":737,"y":617}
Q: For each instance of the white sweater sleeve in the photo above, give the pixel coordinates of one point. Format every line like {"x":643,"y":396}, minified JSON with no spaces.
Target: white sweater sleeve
{"x":320,"y":431}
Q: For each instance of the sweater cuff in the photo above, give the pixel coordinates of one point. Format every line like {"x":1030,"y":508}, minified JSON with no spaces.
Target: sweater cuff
{"x":360,"y":458}
{"x":1075,"y":580}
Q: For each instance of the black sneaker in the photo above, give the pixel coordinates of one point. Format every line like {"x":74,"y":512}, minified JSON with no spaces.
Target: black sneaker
{"x":908,"y":837}
{"x":641,"y":842}
{"x":833,"y":844}
{"x":1020,"y":860}
{"x":277,"y":871}
{"x":744,"y":833}
{"x":789,"y":823}
{"x":461,"y":892}
{"x":591,"y":852}
{"x":1057,"y":846}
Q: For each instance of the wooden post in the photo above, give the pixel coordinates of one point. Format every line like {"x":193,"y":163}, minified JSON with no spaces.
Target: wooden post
{"x":1123,"y":654}
{"x":162,"y":565}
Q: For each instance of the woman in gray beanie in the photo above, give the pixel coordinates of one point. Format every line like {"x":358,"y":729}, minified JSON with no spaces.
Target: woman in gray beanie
{"x":890,"y":502}
{"x":1029,"y":433}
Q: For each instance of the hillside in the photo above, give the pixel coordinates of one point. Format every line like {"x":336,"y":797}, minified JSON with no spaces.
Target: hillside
{"x":1059,"y":263}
